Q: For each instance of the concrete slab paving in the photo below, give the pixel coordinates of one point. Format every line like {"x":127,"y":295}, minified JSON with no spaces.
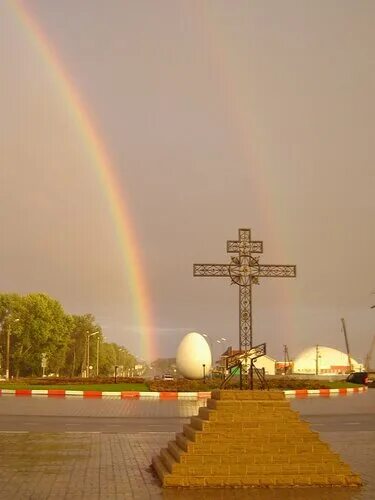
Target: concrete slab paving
{"x":39,"y":466}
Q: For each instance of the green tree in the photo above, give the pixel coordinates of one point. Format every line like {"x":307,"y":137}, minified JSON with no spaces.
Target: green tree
{"x":163,"y":365}
{"x":76,"y":358}
{"x":34,"y":324}
{"x":45,"y":328}
{"x":108,"y":358}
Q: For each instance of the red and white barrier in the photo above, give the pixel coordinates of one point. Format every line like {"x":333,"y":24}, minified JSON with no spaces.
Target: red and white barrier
{"x":165,"y":395}
{"x":302,"y":393}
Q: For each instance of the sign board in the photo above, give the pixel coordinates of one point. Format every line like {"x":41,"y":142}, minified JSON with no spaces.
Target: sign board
{"x":44,"y":360}
{"x":253,"y":353}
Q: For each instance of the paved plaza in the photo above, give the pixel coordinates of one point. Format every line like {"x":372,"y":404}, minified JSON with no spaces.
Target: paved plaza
{"x":105,"y":452}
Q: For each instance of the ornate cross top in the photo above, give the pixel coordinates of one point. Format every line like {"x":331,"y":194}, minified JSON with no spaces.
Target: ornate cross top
{"x":244,"y":270}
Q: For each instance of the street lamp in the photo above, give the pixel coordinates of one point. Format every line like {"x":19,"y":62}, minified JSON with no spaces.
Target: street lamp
{"x":122,"y":355}
{"x":97,"y":353}
{"x":218,"y":341}
{"x":209,"y":340}
{"x":8,"y":348}
{"x":88,"y":351}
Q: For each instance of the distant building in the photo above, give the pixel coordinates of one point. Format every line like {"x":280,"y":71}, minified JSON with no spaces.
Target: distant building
{"x":284,"y":367}
{"x":266,"y":362}
{"x":321,"y":360}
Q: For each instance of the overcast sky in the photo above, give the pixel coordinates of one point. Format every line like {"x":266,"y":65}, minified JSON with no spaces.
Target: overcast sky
{"x":217,"y":115}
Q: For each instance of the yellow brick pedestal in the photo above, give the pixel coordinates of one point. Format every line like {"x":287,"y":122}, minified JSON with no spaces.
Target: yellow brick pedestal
{"x":250,"y":439}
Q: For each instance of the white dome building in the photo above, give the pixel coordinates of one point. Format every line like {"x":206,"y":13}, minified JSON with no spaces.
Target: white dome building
{"x":321,"y":360}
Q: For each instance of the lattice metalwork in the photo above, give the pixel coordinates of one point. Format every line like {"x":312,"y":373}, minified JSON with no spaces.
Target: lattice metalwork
{"x":244,"y":270}
{"x":277,"y":271}
{"x":246,"y":320}
{"x":211,"y":270}
{"x":234,"y":246}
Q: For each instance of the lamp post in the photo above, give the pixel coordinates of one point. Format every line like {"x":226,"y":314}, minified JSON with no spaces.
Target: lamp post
{"x":8,"y":348}
{"x":122,"y":361}
{"x":88,"y":352}
{"x":218,"y":341}
{"x":97,"y":353}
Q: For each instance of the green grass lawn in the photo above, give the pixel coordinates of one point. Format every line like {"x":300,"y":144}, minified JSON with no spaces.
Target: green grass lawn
{"x":136,"y":386}
{"x":78,"y":387}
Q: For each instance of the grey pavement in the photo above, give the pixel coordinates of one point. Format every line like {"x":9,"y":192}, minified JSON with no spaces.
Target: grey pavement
{"x":101,"y":449}
{"x":79,"y":407}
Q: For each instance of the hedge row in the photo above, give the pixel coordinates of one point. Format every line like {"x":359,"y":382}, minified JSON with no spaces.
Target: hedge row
{"x":181,"y":385}
{"x":79,"y":380}
{"x":199,"y":385}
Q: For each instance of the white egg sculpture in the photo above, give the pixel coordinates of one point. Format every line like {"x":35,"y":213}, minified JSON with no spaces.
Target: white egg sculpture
{"x":192,"y":353}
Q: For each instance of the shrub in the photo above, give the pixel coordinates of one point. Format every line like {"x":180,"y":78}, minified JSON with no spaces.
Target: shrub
{"x":185,"y":385}
{"x":78,"y":380}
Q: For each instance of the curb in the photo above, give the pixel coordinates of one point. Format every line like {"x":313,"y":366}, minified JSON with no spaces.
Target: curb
{"x":107,"y":394}
{"x":299,"y":393}
{"x":302,"y":393}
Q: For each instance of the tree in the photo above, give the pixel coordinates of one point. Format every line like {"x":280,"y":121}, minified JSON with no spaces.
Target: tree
{"x":45,"y":329}
{"x":162,"y":365}
{"x":37,"y":324}
{"x":108,"y":358}
{"x":34,"y":324}
{"x":76,"y":357}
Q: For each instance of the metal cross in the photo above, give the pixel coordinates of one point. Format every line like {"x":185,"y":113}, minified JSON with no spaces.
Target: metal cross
{"x":244,"y":270}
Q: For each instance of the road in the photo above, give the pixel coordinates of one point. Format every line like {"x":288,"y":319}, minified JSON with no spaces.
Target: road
{"x":130,"y":425}
{"x":351,"y":413}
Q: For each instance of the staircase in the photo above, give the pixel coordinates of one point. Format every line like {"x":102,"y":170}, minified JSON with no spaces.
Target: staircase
{"x":249,"y":439}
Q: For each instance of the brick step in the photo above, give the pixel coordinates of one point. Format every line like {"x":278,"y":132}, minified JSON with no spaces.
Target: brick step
{"x":252,"y":406}
{"x":238,"y":436}
{"x":250,"y":447}
{"x":284,"y":414}
{"x":250,"y":463}
{"x":264,"y":480}
{"x":177,"y":452}
{"x":184,"y":443}
{"x":171,"y":464}
{"x":229,"y":470}
{"x":239,"y":396}
{"x":159,"y":468}
{"x":254,"y":426}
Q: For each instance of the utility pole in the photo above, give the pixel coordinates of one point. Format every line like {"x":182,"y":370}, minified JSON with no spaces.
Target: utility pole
{"x":317,"y":361}
{"x":286,"y":359}
{"x":347,"y":345}
{"x":88,"y":335}
{"x":8,"y":348}
{"x":8,"y":352}
{"x":97,"y":355}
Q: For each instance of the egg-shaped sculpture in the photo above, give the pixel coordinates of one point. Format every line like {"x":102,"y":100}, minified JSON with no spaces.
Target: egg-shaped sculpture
{"x":193,"y":357}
